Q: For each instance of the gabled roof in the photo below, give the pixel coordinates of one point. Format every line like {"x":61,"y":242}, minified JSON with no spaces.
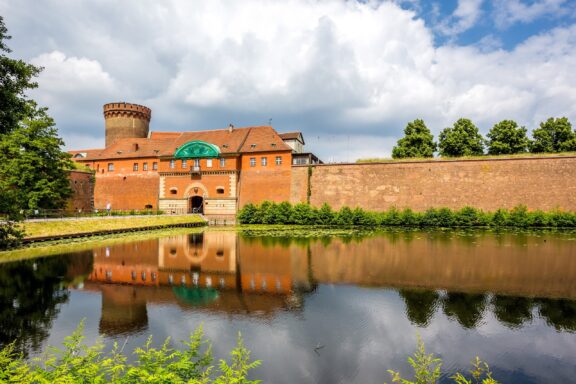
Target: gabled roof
{"x":293,"y":136}
{"x":235,"y":140}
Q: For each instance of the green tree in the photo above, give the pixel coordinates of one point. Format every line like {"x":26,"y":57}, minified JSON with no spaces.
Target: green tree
{"x":506,"y":137}
{"x":463,"y":139}
{"x":417,"y":141}
{"x":33,"y":168}
{"x":554,"y":135}
{"x":16,"y":77}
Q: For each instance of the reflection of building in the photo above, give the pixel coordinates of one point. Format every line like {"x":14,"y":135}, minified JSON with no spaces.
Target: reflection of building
{"x":212,"y":271}
{"x":213,"y":172}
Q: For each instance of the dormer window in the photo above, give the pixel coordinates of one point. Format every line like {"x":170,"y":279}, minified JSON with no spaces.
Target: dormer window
{"x":252,"y":146}
{"x":224,"y":145}
{"x":273,"y":144}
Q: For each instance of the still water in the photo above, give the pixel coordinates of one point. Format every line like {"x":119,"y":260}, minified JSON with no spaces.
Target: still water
{"x":329,"y":310}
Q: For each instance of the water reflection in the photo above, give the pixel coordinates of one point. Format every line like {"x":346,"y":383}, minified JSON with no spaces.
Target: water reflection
{"x":30,"y":294}
{"x":464,"y":276}
{"x":345,"y":289}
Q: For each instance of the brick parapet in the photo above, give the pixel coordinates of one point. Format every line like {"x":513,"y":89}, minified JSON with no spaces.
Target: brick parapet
{"x":127,"y":110}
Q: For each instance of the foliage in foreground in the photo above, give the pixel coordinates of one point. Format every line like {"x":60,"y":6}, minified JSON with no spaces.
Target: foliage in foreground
{"x":79,"y":363}
{"x":305,"y":214}
{"x":427,"y":370}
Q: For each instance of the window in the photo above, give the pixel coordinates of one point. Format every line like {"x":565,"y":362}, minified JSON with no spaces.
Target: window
{"x":209,"y":163}
{"x":222,"y":163}
{"x":135,"y":167}
{"x":252,"y":161}
{"x":252,"y":146}
{"x":220,"y":190}
{"x":196,"y":162}
{"x":278,"y":160}
{"x":184,"y":163}
{"x":264,"y":161}
{"x":110,"y":167}
{"x":173,"y":191}
{"x":172,"y":164}
{"x":144,"y":166}
{"x":154,"y":166}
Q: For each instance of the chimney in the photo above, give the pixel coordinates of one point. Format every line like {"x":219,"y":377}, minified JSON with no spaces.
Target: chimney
{"x":230,"y":127}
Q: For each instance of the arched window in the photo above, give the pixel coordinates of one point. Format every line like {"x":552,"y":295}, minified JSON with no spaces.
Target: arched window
{"x":220,"y":190}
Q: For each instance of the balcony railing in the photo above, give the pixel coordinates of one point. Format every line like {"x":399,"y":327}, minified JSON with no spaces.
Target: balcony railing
{"x":195,"y":169}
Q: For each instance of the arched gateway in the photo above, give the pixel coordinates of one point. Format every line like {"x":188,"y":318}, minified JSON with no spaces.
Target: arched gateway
{"x":199,"y":179}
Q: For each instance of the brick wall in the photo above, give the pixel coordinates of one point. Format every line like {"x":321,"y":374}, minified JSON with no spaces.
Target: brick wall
{"x":130,"y":191}
{"x":539,"y":183}
{"x":270,"y":182}
{"x":82,"y":191}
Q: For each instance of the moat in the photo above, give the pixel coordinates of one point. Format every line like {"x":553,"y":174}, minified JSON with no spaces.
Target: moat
{"x":326,"y":310}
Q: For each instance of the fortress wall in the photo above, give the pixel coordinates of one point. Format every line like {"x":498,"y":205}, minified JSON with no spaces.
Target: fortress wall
{"x":545,"y":183}
{"x":128,"y":191}
{"x":82,"y":191}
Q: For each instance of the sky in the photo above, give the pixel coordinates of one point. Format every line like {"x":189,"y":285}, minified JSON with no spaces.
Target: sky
{"x":348,"y":74}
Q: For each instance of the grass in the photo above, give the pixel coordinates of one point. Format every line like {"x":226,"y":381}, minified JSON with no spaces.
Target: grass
{"x":484,"y":157}
{"x":63,"y":227}
{"x":59,"y":247}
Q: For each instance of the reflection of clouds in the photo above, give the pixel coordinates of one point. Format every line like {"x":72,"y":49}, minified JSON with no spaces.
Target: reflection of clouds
{"x":363,"y":331}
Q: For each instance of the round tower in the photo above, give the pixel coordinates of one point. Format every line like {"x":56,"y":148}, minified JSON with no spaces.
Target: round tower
{"x":125,"y":120}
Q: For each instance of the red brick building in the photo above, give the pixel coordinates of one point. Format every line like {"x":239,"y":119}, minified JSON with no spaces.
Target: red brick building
{"x":214,"y":172}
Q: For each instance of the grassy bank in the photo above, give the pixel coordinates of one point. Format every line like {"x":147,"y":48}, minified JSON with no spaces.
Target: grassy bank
{"x":59,"y":247}
{"x":69,"y":226}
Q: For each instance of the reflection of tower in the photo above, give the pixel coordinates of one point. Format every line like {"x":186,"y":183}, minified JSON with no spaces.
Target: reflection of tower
{"x":123,"y":310}
{"x":125,"y":120}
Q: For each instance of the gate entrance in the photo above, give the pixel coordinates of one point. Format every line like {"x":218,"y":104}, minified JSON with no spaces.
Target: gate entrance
{"x":196,"y":204}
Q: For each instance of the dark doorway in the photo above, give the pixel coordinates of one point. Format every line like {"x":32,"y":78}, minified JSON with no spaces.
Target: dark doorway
{"x":196,"y":204}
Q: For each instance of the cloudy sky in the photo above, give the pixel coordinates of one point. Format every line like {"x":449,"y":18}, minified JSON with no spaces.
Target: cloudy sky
{"x":348,"y":74}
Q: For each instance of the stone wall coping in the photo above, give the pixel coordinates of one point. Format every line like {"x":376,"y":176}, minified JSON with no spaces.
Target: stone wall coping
{"x":437,"y":161}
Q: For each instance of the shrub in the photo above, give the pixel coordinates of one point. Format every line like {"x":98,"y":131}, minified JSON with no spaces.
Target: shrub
{"x":304,"y":214}
{"x":78,"y":363}
{"x":10,"y":235}
{"x":427,"y":370}
{"x":325,"y":215}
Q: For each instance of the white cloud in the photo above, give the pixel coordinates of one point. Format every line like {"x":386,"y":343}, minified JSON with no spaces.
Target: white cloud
{"x":510,"y":12}
{"x":464,"y":17}
{"x":331,"y":69}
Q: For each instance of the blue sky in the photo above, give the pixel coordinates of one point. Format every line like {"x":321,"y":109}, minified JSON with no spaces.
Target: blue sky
{"x":348,"y":74}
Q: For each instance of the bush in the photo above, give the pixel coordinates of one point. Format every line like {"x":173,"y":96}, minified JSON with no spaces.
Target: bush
{"x":78,"y":363}
{"x":10,"y":235}
{"x":427,"y":370}
{"x":304,"y":214}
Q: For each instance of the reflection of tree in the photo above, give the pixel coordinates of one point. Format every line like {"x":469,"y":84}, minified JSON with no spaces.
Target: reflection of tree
{"x":466,"y":308}
{"x":420,"y":305}
{"x":559,"y":313}
{"x":512,"y":311}
{"x":30,"y":294}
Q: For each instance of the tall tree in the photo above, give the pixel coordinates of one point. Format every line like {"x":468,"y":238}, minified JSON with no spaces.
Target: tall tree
{"x":463,"y":139}
{"x":417,"y":141}
{"x":506,"y":137}
{"x":16,"y":77}
{"x":554,"y":135}
{"x":33,"y":168}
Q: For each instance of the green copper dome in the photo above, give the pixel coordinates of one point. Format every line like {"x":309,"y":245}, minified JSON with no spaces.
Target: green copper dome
{"x":196,"y":149}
